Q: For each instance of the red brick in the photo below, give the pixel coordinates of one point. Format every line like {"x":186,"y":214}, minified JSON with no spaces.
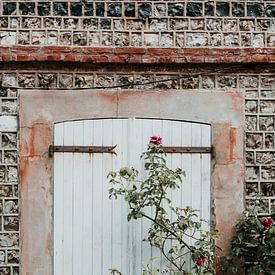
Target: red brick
{"x":98,"y":50}
{"x":41,"y":57}
{"x":137,"y":55}
{"x":130,"y":50}
{"x":161,"y":51}
{"x":8,"y":57}
{"x":23,"y":57}
{"x":149,"y":59}
{"x":118,"y":58}
{"x":135,"y":59}
{"x":193,"y":51}
{"x":69,"y":57}
{"x":95,"y":59}
{"x":57,"y":49}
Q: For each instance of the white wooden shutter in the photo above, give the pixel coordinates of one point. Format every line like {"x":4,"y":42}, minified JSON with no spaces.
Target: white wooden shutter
{"x":91,"y":232}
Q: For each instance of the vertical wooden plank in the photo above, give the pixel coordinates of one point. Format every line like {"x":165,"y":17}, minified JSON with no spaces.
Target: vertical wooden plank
{"x":98,"y":222}
{"x":145,"y":137}
{"x":176,"y":162}
{"x":77,"y":199}
{"x":196,"y":175}
{"x":167,"y":141}
{"x":138,"y":241}
{"x":134,"y":151}
{"x":176,"y":140}
{"x":107,"y":140}
{"x":67,"y":203}
{"x":58,"y":202}
{"x":126,"y":253}
{"x":186,"y":191}
{"x":205,"y":135}
{"x":87,"y":212}
{"x":205,"y":177}
{"x":131,"y":231}
{"x":196,"y":168}
{"x":119,"y":203}
{"x":186,"y":133}
{"x":156,"y":253}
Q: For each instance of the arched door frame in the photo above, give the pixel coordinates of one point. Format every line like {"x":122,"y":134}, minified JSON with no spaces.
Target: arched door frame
{"x":40,"y":110}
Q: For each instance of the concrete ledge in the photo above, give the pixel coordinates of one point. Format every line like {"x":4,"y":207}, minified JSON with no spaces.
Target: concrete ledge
{"x":136,"y":55}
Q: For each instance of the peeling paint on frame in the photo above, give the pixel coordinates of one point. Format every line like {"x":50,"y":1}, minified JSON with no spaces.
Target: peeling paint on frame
{"x":39,"y":110}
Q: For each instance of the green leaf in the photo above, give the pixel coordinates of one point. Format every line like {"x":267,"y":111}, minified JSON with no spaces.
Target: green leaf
{"x":111,"y":174}
{"x":129,"y":217}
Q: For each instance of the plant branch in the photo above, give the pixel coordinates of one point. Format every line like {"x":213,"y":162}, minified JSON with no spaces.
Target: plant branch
{"x":172,"y":233}
{"x":170,"y":260}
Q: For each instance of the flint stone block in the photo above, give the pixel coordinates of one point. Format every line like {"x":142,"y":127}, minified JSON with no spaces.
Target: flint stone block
{"x":144,"y":11}
{"x":8,"y":124}
{"x":194,"y":9}
{"x":9,"y":8}
{"x":222,"y":9}
{"x":9,"y":240}
{"x":44,"y":8}
{"x":130,"y":10}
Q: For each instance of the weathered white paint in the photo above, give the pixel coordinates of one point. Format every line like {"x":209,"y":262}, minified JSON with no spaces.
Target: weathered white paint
{"x":91,"y":232}
{"x":8,"y":123}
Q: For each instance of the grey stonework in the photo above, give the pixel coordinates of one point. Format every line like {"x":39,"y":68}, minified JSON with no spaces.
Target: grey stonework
{"x":260,"y":129}
{"x":138,"y":23}
{"x":165,"y":24}
{"x":9,"y":197}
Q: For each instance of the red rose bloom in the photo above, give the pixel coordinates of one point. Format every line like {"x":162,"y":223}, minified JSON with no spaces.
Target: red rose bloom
{"x":200,"y":261}
{"x":267,"y":222}
{"x":156,"y":140}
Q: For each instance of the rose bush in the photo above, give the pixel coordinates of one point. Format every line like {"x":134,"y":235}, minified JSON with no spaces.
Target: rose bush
{"x":253,"y":246}
{"x":152,"y":194}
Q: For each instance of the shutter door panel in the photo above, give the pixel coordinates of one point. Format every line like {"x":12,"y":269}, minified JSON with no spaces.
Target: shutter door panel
{"x":77,"y":191}
{"x":186,"y":191}
{"x":167,"y":137}
{"x":205,"y":177}
{"x":97,"y":209}
{"x":91,"y":232}
{"x":58,"y":203}
{"x":87,"y":200}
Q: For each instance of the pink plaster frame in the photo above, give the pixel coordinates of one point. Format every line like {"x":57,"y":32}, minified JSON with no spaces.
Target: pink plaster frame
{"x":39,"y":110}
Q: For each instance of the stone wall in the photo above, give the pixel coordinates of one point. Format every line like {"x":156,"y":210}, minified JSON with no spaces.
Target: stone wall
{"x":161,"y":23}
{"x":28,"y":30}
{"x":260,"y":107}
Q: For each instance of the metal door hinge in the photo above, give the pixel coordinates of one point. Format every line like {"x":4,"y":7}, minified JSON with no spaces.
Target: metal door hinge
{"x":81,"y":149}
{"x":190,"y":150}
{"x":110,"y":149}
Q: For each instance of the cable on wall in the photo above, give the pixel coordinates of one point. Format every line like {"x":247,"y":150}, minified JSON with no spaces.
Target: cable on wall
{"x":128,"y":85}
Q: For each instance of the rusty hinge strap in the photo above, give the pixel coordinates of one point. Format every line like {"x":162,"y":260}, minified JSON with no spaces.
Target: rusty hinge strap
{"x":81,"y":149}
{"x":190,"y":150}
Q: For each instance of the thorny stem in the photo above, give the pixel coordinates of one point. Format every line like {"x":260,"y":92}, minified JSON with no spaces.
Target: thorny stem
{"x":191,"y":236}
{"x":160,"y":200}
{"x":168,"y":230}
{"x":170,"y":260}
{"x":181,"y":255}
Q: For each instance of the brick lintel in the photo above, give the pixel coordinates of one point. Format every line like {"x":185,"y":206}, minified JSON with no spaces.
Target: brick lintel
{"x":137,"y":55}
